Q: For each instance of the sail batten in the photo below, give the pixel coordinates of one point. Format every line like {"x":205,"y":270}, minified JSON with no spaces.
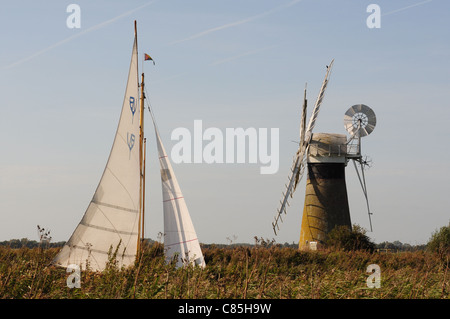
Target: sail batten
{"x":176,"y":198}
{"x":111,"y":230}
{"x":117,"y":207}
{"x":100,"y":251}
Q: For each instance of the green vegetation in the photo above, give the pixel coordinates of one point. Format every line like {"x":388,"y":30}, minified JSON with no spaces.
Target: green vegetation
{"x":242,"y":271}
{"x":347,"y":239}
{"x":263,"y":270}
{"x":440,"y":241}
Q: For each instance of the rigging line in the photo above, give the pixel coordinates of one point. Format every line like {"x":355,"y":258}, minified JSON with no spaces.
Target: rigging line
{"x":150,"y":108}
{"x":106,"y":217}
{"x":120,"y":183}
{"x":113,"y":230}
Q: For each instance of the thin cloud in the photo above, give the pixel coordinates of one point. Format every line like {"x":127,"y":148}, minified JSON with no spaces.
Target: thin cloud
{"x":93,"y":28}
{"x":242,"y":55}
{"x":405,"y":8}
{"x":236,"y":23}
{"x":221,"y":61}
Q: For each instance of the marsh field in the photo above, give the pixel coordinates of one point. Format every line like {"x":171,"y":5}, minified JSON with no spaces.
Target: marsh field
{"x":259,"y":271}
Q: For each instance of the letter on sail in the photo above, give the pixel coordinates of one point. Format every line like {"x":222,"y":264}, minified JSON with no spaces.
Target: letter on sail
{"x":110,"y":223}
{"x":180,"y":238}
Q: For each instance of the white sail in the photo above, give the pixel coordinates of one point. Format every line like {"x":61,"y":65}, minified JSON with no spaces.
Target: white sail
{"x":180,"y":238}
{"x":111,"y":220}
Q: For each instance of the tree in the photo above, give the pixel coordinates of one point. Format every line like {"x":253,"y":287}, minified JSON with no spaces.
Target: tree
{"x":341,"y":237}
{"x":440,"y":241}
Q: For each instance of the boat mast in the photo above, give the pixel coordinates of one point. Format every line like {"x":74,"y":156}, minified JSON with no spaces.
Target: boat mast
{"x":141,"y":170}
{"x":141,"y":161}
{"x":143,"y":187}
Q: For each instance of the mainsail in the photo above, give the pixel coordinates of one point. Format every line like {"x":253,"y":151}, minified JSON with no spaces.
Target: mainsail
{"x":109,"y":229}
{"x":180,"y":238}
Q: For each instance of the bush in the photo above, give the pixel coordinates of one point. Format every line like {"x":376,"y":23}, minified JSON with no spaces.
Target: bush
{"x":440,"y":241}
{"x":342,"y":238}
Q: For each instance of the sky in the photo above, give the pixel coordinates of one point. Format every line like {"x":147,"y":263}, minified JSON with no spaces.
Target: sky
{"x":229,"y":64}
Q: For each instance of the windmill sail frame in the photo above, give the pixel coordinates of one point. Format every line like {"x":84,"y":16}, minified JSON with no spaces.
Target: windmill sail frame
{"x":299,"y":161}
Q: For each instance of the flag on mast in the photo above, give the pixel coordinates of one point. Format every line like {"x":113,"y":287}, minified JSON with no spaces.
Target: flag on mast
{"x":147,"y":57}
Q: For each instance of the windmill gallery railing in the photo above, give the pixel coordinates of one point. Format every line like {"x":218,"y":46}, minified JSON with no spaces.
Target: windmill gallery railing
{"x":350,"y":150}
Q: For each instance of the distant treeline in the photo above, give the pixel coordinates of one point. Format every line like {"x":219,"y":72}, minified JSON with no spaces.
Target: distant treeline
{"x":384,"y":246}
{"x":398,"y":246}
{"x":25,"y":242}
{"x":388,"y":246}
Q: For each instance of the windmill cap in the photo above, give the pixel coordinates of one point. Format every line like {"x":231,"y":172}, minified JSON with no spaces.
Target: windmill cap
{"x":327,"y":148}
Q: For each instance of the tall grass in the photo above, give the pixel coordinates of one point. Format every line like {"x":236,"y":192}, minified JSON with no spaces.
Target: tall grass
{"x":260,"y":271}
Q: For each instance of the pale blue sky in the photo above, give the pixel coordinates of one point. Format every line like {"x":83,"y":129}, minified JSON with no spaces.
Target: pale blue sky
{"x":231,"y":64}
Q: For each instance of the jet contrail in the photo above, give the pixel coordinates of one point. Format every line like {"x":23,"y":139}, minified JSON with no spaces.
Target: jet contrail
{"x":236,"y":23}
{"x":93,"y":28}
{"x":242,"y":55}
{"x":405,"y":8}
{"x":235,"y":57}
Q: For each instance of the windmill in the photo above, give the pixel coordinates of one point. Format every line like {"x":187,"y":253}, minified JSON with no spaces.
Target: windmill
{"x":326,"y":155}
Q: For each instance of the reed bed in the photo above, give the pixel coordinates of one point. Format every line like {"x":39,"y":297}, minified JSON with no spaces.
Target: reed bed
{"x":235,"y":272}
